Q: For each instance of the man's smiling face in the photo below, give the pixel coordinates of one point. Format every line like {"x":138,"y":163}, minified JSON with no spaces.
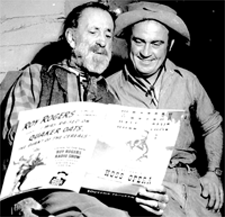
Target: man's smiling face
{"x":148,"y":46}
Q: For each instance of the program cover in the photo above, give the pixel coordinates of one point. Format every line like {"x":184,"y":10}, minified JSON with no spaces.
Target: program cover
{"x":101,"y":148}
{"x":52,"y":147}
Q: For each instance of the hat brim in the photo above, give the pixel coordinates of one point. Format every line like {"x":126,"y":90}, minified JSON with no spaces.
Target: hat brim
{"x":168,"y":19}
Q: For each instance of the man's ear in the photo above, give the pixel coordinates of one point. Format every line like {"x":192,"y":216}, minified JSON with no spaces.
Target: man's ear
{"x":171,"y":44}
{"x":69,"y":34}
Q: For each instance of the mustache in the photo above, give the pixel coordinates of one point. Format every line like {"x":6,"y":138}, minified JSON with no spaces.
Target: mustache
{"x":97,"y":49}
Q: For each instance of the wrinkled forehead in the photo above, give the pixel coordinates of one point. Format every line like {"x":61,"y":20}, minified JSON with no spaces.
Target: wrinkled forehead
{"x":150,"y":25}
{"x":150,"y":29}
{"x":96,"y":17}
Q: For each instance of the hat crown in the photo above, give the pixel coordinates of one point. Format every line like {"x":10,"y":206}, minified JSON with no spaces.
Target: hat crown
{"x":150,"y":6}
{"x":140,"y":11}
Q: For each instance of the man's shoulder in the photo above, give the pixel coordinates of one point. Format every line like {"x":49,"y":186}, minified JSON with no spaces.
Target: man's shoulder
{"x":32,"y":67}
{"x":113,"y":78}
{"x":35,"y":66}
{"x":35,"y":69}
{"x":182,"y":72}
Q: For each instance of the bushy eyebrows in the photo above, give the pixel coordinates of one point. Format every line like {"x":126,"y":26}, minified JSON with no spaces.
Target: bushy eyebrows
{"x":97,"y":28}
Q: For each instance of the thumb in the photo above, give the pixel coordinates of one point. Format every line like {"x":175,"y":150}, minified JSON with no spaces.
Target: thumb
{"x":205,"y":191}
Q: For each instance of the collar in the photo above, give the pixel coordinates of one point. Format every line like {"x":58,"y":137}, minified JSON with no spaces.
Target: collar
{"x":169,"y":68}
{"x":83,"y":76}
{"x":172,"y":68}
{"x":142,"y":83}
{"x":65,"y":66}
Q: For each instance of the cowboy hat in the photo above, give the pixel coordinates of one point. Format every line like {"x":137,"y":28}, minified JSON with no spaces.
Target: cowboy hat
{"x":139,"y":11}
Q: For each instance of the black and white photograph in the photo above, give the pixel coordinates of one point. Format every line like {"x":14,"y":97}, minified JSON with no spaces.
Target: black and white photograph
{"x":118,"y":60}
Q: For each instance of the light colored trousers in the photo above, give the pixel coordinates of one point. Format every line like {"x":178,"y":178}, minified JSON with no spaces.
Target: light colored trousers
{"x":184,"y":190}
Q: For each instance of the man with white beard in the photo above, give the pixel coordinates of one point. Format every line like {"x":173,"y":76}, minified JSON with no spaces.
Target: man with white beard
{"x":87,"y":45}
{"x":86,"y":40}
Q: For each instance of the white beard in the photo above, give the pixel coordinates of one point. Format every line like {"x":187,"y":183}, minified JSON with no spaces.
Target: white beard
{"x":89,"y":60}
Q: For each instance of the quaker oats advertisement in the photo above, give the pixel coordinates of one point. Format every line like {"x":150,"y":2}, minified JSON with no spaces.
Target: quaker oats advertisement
{"x":89,"y":145}
{"x":52,"y":147}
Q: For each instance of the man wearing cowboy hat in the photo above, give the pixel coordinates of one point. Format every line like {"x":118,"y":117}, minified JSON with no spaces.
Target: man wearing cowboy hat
{"x":150,"y":80}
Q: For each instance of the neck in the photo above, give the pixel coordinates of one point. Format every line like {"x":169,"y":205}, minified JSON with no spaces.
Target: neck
{"x":72,"y":64}
{"x":150,"y":78}
{"x":81,"y":70}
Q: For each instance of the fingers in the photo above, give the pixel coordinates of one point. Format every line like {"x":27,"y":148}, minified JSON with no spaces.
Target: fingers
{"x":151,"y":206}
{"x":152,"y":211}
{"x":221,"y":196}
{"x":156,"y":194}
{"x":29,"y":207}
{"x":212,"y":194}
{"x":215,"y":194}
{"x":26,"y":206}
{"x":215,"y":198}
{"x":158,"y":188}
{"x":205,"y":192}
{"x":153,"y":200}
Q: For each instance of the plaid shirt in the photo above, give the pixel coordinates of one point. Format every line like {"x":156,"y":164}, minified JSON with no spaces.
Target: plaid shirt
{"x":25,"y":95}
